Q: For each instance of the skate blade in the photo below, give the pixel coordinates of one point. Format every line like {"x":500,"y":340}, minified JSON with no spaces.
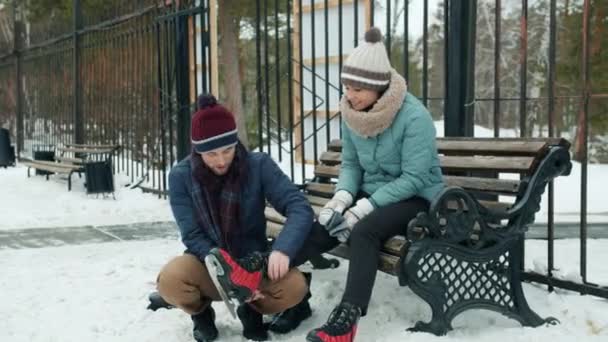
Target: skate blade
{"x":215,"y":269}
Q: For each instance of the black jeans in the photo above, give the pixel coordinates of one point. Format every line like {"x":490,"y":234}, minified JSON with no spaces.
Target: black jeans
{"x":365,"y":242}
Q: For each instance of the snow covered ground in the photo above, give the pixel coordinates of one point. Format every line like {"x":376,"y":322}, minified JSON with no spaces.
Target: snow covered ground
{"x":98,"y":292}
{"x":36,"y":203}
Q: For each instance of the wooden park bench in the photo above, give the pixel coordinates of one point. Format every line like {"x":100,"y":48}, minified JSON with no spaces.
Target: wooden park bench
{"x":72,"y":158}
{"x":51,"y":167}
{"x":466,"y":252}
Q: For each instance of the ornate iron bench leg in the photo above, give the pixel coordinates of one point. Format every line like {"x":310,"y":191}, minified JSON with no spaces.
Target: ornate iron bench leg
{"x":521,"y":311}
{"x":453,"y":279}
{"x":438,"y":325}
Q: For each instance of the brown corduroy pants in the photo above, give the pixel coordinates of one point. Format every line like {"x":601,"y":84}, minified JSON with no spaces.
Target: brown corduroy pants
{"x":185,"y":283}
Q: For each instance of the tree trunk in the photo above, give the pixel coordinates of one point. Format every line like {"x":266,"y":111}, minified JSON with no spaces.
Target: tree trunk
{"x":229,"y":27}
{"x":579,"y":140}
{"x":594,"y":40}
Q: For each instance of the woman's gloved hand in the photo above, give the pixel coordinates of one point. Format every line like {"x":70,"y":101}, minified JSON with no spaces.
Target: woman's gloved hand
{"x":340,"y":226}
{"x":342,"y":199}
{"x":359,"y":211}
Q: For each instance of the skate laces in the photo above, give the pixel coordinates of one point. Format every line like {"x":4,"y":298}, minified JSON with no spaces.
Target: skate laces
{"x":253,"y":262}
{"x":342,"y":318}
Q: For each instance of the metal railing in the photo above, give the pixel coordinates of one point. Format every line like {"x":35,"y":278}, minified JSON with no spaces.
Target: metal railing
{"x":516,"y":83}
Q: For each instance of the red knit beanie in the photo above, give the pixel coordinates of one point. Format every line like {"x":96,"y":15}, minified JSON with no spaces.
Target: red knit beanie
{"x":213,"y":126}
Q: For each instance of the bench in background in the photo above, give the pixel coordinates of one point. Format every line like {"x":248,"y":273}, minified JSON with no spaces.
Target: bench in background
{"x":93,"y":160}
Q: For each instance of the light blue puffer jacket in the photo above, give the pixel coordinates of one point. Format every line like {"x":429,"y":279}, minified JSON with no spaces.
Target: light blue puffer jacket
{"x":399,"y":163}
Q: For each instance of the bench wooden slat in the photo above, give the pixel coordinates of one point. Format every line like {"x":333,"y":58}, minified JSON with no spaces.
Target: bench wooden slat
{"x":394,"y":245}
{"x":495,"y":147}
{"x":274,"y":216}
{"x":486,"y":163}
{"x":273,"y":229}
{"x":48,"y":167}
{"x":327,"y":171}
{"x":326,"y":190}
{"x":316,"y":200}
{"x":42,"y":163}
{"x":70,"y":160}
{"x":485,"y":146}
{"x":85,"y":150}
{"x":84,"y":146}
{"x":321,"y":189}
{"x":331,"y":164}
{"x":481,"y":184}
{"x":335,"y":145}
{"x":331,"y":158}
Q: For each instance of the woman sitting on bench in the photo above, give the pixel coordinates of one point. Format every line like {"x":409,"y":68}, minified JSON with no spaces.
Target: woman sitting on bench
{"x":389,"y":167}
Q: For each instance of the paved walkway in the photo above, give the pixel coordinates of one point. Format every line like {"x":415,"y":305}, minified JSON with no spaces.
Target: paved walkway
{"x":47,"y":237}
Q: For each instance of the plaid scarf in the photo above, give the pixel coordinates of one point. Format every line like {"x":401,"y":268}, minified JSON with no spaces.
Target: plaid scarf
{"x":217,"y":198}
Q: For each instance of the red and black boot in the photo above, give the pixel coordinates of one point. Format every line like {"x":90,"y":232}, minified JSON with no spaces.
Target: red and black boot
{"x":236,"y":278}
{"x":341,"y":326}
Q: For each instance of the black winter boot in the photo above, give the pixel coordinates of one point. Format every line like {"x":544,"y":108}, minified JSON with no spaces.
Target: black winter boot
{"x":204,"y":326}
{"x":158,"y":302}
{"x":291,"y":318}
{"x":341,"y":326}
{"x":320,"y":262}
{"x":253,"y":323}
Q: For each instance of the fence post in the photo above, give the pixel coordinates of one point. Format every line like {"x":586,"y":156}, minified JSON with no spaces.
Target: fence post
{"x":460,"y":71}
{"x":182,"y":86}
{"x":18,"y":45}
{"x":77,"y":75}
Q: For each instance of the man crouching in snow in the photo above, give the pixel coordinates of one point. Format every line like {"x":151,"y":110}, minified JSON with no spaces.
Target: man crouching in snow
{"x":218,"y":195}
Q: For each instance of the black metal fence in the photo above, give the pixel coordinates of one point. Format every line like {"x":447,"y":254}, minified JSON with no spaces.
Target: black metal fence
{"x":485,"y":67}
{"x":115,"y":72}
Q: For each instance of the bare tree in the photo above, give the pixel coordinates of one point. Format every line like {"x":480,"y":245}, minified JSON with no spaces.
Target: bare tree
{"x":229,"y":30}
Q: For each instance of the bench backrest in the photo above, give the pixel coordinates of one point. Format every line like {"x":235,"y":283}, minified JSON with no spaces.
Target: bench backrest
{"x":79,"y":154}
{"x":470,"y":163}
{"x":486,"y":167}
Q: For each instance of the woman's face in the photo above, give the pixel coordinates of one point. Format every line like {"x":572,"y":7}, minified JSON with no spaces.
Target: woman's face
{"x":360,"y":98}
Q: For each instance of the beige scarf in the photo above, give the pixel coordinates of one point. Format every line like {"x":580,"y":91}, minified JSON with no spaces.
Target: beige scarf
{"x":381,"y":115}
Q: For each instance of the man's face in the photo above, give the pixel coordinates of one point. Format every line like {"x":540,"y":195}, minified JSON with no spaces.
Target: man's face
{"x":219,"y":160}
{"x":360,"y":98}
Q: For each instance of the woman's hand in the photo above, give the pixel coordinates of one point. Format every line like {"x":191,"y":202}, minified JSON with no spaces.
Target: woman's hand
{"x":342,"y":199}
{"x":359,"y":211}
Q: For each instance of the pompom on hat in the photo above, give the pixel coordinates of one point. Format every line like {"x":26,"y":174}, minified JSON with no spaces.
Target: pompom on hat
{"x":213,"y":126}
{"x":368,"y":66}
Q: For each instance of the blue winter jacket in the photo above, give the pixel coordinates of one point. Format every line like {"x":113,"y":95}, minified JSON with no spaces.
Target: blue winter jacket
{"x":266,"y":182}
{"x":399,"y":163}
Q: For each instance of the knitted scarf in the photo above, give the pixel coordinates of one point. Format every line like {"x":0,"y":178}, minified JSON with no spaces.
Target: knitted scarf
{"x":380,"y":116}
{"x":217,"y":198}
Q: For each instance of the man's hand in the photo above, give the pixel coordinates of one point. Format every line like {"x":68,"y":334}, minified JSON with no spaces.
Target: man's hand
{"x":278,"y":265}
